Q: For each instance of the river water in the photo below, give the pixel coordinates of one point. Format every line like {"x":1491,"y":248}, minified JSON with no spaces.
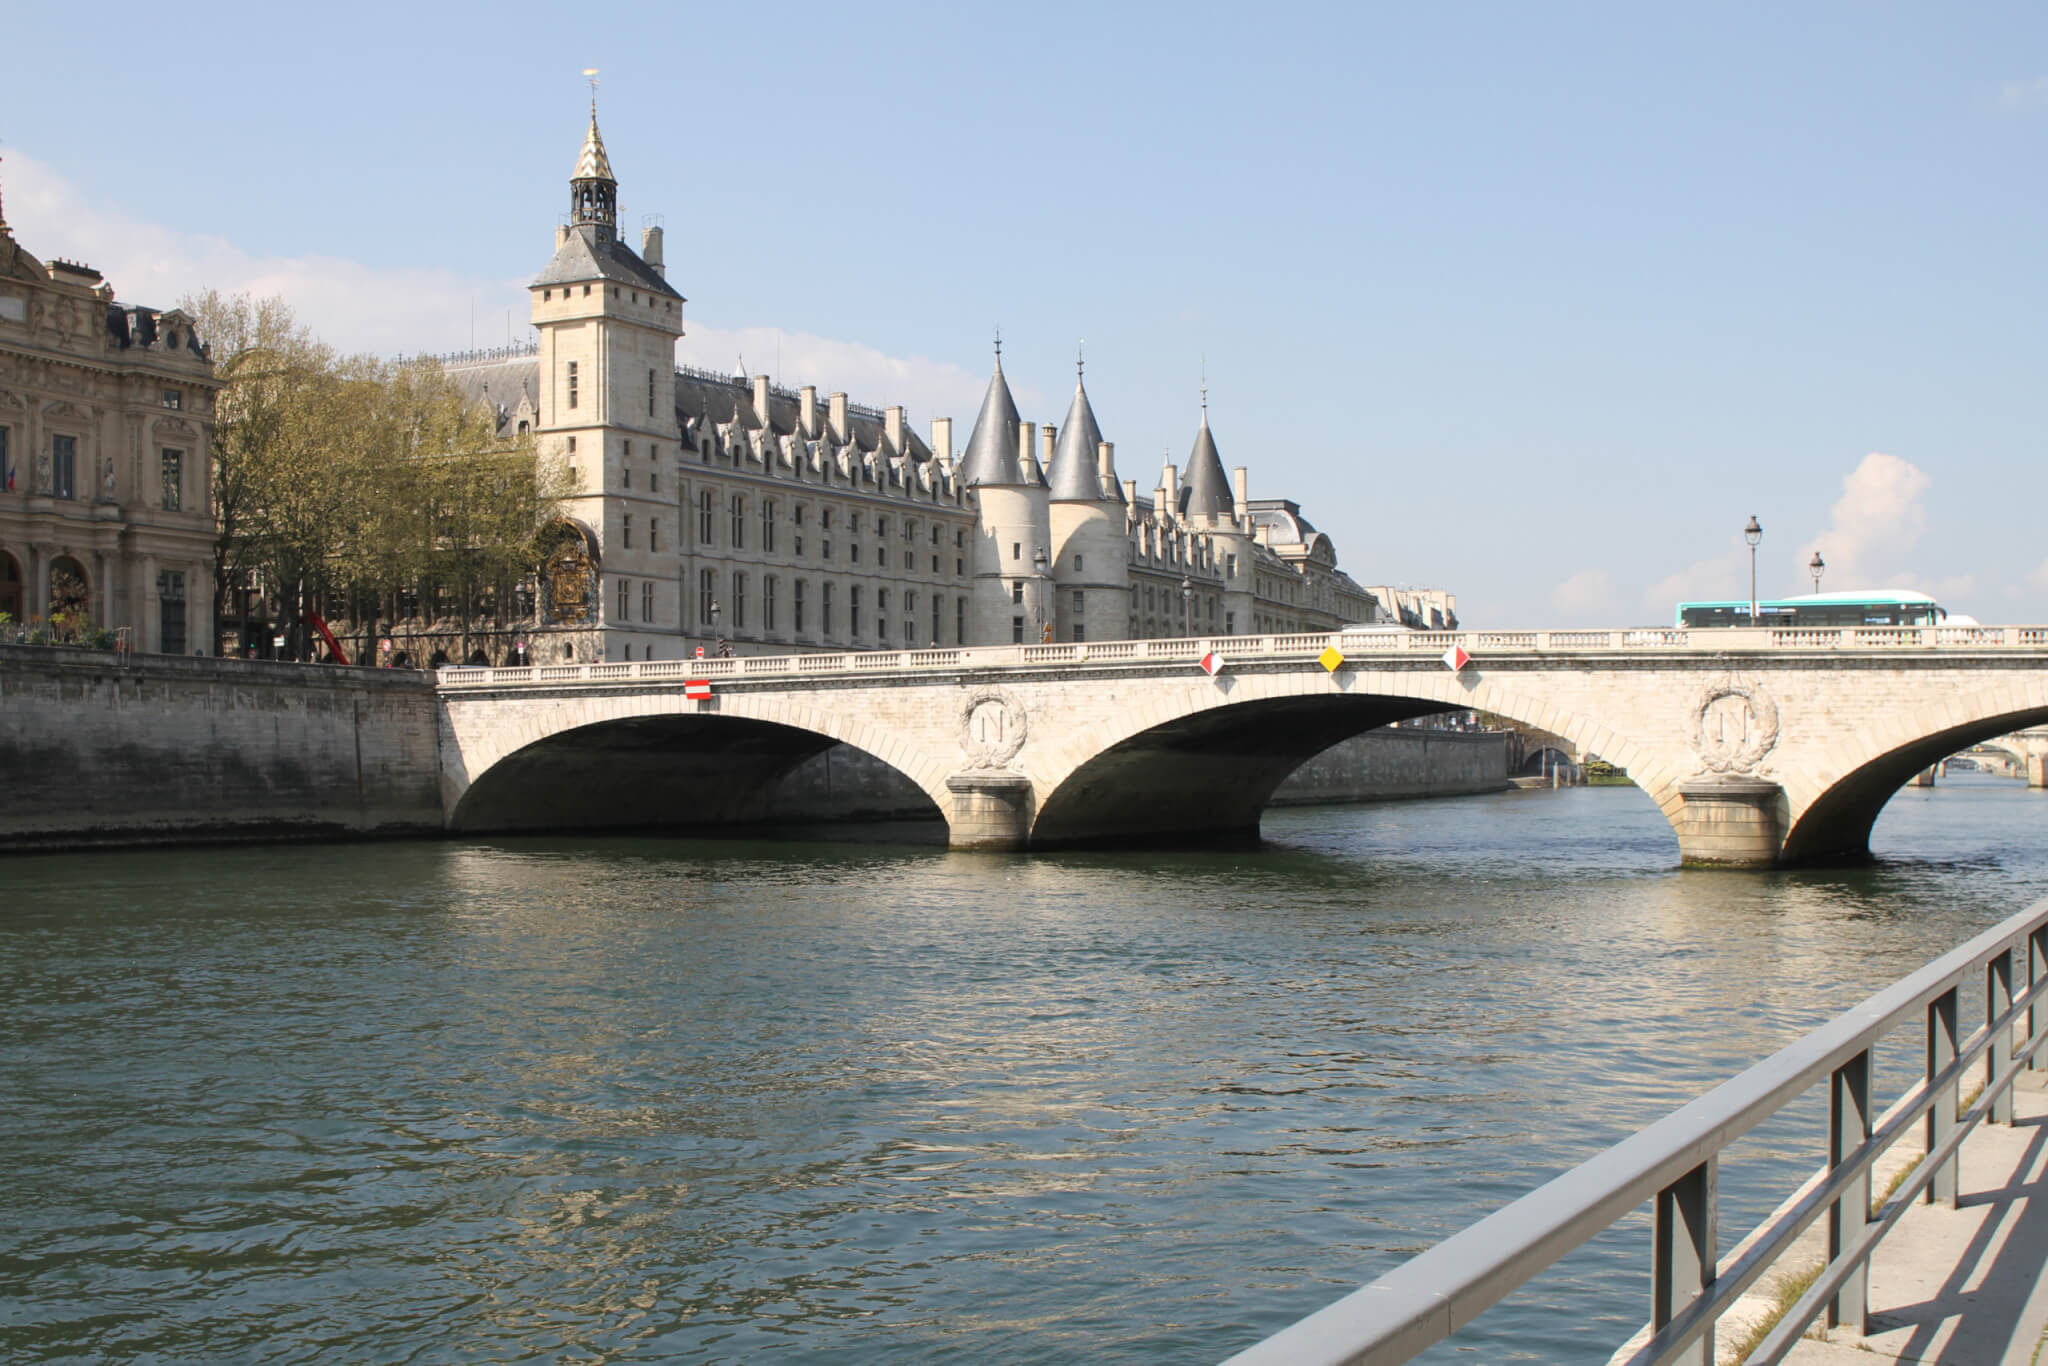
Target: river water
{"x":610,"y":1100}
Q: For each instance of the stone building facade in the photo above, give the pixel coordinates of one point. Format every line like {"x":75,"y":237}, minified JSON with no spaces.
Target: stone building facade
{"x":711,"y":509}
{"x":106,"y":433}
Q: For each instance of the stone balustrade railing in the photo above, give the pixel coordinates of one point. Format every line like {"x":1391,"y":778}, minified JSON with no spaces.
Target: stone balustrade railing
{"x":1356,"y":645}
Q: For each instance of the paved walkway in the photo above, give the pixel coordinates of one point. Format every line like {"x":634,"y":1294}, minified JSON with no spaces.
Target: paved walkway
{"x":1965,"y":1287}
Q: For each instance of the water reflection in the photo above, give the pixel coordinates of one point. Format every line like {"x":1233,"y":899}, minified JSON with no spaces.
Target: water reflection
{"x":638,"y":1100}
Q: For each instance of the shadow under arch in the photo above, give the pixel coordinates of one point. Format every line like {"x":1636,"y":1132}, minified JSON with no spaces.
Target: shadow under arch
{"x":689,"y":772}
{"x":1835,"y":826}
{"x":1204,"y":778}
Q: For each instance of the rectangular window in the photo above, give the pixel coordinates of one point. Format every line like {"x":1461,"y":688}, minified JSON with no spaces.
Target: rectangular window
{"x":64,"y":466}
{"x":881,"y":526}
{"x":959,"y":621}
{"x":173,"y":399}
{"x":739,"y":522}
{"x":825,"y":610}
{"x":704,"y":506}
{"x":853,"y":552}
{"x":628,"y":477}
{"x":768,"y":525}
{"x":853,"y":524}
{"x":654,"y":533}
{"x":625,"y":600}
{"x":768,"y":604}
{"x":853,"y":611}
{"x":626,"y":530}
{"x":937,"y":603}
{"x":6,"y":464}
{"x":959,"y":539}
{"x":739,"y":601}
{"x":170,"y":589}
{"x":1080,"y":602}
{"x":828,"y":550}
{"x":1017,"y":591}
{"x":908,"y":561}
{"x":1230,"y":623}
{"x":796,"y":605}
{"x":173,"y":467}
{"x":1080,"y":631}
{"x":572,"y":384}
{"x":650,"y":393}
{"x":647,"y":600}
{"x":1077,"y":562}
{"x":1016,"y":551}
{"x":1016,"y":630}
{"x":707,"y":595}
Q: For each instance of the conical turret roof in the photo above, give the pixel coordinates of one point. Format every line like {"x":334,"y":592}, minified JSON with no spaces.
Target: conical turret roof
{"x":1075,"y":476}
{"x":992,"y":455}
{"x":1205,"y":488}
{"x":593,"y":164}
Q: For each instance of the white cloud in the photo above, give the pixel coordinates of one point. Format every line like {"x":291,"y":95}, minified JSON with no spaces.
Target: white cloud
{"x":1722,"y":577}
{"x":1875,"y":525}
{"x":2018,"y":95}
{"x":1587,"y":596}
{"x":356,"y":307}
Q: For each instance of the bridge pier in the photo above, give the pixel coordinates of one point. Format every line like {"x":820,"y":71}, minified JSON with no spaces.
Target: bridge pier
{"x":1731,"y":823}
{"x":990,"y":810}
{"x":2037,"y":770}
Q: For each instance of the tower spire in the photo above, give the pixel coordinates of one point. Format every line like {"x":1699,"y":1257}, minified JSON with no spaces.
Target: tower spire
{"x":593,"y":191}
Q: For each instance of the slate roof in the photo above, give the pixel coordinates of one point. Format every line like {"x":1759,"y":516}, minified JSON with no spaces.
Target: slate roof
{"x":992,"y":454}
{"x":591,"y":252}
{"x":1075,"y":475}
{"x":1204,"y":487}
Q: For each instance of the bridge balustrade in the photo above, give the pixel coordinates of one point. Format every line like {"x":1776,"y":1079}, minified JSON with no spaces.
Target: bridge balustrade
{"x":1358,"y":642}
{"x":1674,"y":1165}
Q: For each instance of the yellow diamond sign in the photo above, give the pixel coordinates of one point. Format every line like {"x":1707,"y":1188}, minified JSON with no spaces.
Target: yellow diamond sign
{"x":1331,"y":659}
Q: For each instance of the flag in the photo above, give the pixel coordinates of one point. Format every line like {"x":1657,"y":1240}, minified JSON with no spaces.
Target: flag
{"x":1455,"y":658}
{"x":1212,"y":664}
{"x":697,"y":690}
{"x":1331,"y":658}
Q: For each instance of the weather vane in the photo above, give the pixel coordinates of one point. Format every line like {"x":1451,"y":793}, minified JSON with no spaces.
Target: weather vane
{"x":999,"y":343}
{"x":1080,"y":356}
{"x":590,"y":74}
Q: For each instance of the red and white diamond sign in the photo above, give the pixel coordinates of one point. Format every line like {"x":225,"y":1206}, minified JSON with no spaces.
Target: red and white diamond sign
{"x":1455,"y":658}
{"x":698,"y":690}
{"x":1212,"y":664}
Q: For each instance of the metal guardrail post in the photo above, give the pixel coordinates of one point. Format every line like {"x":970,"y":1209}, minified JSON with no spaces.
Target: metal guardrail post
{"x":1998,"y":1058}
{"x":2037,"y":968}
{"x":1683,"y":1256}
{"x":1942,"y":1014}
{"x":1848,"y":1130}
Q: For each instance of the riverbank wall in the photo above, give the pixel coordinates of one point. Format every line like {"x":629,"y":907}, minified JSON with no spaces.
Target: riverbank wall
{"x":1384,"y":765}
{"x":99,"y":749}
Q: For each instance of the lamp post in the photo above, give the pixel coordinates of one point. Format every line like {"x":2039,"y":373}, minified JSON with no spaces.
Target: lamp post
{"x":1040,"y":565}
{"x":723,"y":648}
{"x":1187,"y":606}
{"x":1816,"y":567}
{"x":1752,"y":533}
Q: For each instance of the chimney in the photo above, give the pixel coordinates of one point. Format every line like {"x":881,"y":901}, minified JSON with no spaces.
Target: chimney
{"x":650,"y":247}
{"x":1045,"y":444}
{"x":807,"y":411}
{"x":1105,"y":467}
{"x":1027,"y":439}
{"x":1172,"y":477}
{"x":892,"y":427}
{"x":1238,"y":481}
{"x":840,"y":432}
{"x":942,"y":438}
{"x":1130,"y":493}
{"x":761,"y":398}
{"x":561,"y":235}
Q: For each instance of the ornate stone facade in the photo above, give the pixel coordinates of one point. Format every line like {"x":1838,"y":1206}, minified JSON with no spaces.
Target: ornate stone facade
{"x":714,"y":508}
{"x":106,"y":433}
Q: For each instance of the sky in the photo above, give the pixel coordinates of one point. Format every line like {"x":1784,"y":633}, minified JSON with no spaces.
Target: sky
{"x":1536,"y":304}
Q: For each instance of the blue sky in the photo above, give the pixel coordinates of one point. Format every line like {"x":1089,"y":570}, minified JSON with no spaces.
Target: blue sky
{"x":1535,"y":304}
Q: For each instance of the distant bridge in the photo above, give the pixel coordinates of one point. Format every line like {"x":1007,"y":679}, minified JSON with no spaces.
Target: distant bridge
{"x":1761,"y":746}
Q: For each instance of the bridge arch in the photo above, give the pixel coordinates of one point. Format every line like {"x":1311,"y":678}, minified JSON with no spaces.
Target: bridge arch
{"x":626,"y":760}
{"x":1834,"y":807}
{"x":1200,"y":760}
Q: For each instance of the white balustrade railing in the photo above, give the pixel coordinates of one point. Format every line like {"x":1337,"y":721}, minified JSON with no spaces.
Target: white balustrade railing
{"x":1420,"y":647}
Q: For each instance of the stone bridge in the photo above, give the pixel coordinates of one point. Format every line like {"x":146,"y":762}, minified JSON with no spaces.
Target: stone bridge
{"x":1760,"y":746}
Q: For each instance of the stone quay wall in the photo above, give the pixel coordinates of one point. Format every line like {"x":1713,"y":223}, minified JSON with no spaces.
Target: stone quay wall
{"x":1384,"y":764}
{"x":98,"y":749}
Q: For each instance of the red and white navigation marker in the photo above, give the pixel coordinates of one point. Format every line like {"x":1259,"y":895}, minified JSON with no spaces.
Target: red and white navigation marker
{"x":1455,"y":658}
{"x":698,"y":689}
{"x":1212,"y":664}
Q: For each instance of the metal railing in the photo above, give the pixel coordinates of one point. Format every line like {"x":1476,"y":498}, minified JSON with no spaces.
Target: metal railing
{"x":1673,"y":1164}
{"x":1359,"y":644}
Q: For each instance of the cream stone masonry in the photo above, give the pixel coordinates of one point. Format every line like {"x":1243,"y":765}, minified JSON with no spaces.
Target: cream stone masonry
{"x":106,"y":437}
{"x":1760,"y":747}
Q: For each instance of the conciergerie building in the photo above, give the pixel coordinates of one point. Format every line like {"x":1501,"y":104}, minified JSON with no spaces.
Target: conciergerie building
{"x":706,"y":507}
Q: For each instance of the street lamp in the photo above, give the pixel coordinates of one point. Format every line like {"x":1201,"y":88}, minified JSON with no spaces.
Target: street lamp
{"x":1816,"y":567}
{"x":1040,"y":563}
{"x":1187,"y":606}
{"x":723,"y":648}
{"x":1752,"y":533}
